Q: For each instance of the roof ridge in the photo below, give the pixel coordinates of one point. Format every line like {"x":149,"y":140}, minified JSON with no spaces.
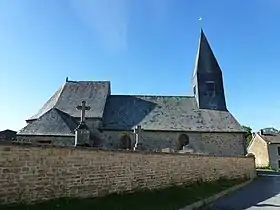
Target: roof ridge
{"x":63,"y":115}
{"x":51,"y":109}
{"x":58,"y":96}
{"x":54,"y":98}
{"x":7,"y":130}
{"x":91,"y":81}
{"x":59,"y":111}
{"x":151,"y":95}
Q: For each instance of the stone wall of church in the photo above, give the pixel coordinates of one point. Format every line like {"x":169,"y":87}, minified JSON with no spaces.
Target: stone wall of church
{"x":52,"y":140}
{"x":225,"y":144}
{"x":94,"y":123}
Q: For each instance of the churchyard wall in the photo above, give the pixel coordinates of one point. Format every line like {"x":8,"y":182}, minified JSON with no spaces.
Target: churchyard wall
{"x":222,"y":144}
{"x":30,"y":173}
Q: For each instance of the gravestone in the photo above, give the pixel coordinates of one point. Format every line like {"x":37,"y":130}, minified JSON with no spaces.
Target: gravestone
{"x":186,"y":149}
{"x":167,"y":150}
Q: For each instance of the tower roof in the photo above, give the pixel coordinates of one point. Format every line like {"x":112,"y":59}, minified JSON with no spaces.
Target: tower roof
{"x":205,"y":58}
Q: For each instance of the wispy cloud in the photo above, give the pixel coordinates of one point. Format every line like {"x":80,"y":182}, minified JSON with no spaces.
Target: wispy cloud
{"x":108,"y":19}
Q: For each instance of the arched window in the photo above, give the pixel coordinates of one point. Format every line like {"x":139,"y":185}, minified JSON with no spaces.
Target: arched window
{"x":125,"y":142}
{"x":183,"y":140}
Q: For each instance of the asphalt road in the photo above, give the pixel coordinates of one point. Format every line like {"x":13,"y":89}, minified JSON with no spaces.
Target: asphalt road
{"x":263,"y":193}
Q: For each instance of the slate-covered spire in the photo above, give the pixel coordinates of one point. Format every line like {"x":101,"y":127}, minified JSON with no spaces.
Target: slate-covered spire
{"x":205,"y":58}
{"x":207,"y":78}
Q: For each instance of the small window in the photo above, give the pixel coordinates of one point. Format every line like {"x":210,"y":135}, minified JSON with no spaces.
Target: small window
{"x":279,"y":164}
{"x":194,"y":90}
{"x":278,"y":150}
{"x":210,"y":88}
{"x":126,"y":142}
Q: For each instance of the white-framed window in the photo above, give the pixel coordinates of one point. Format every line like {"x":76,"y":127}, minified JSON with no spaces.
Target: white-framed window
{"x":210,"y":88}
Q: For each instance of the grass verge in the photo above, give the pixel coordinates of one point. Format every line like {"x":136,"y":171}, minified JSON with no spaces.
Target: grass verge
{"x":170,"y":198}
{"x":268,"y":168}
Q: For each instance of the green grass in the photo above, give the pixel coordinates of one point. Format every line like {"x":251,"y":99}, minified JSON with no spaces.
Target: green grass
{"x":174,"y":197}
{"x":268,"y":168}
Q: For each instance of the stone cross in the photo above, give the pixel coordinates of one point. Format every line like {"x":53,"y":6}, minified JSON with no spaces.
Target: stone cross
{"x":137,"y":132}
{"x":83,"y":109}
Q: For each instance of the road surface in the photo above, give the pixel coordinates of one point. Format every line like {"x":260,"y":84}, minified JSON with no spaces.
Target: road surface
{"x":263,"y":193}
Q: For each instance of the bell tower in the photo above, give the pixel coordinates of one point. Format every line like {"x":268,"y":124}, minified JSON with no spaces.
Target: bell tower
{"x":207,"y":80}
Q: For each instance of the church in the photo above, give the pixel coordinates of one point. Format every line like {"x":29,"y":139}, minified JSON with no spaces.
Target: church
{"x":200,"y":123}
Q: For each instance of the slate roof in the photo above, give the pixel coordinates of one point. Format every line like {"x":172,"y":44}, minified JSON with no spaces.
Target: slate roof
{"x":8,"y":134}
{"x":53,"y":122}
{"x":7,"y":131}
{"x":272,"y":138}
{"x":205,"y":59}
{"x":72,"y":93}
{"x":170,"y":113}
{"x":124,"y":112}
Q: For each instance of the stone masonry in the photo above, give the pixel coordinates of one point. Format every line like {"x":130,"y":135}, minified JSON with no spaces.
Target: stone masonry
{"x":31,"y":173}
{"x":259,"y":149}
{"x":224,"y":144}
{"x":266,"y":149}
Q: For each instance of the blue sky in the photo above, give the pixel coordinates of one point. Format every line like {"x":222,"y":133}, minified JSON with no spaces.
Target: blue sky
{"x":142,"y":47}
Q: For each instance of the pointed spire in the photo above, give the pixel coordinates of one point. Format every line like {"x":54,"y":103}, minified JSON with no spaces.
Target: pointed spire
{"x":205,"y":58}
{"x":208,"y":79}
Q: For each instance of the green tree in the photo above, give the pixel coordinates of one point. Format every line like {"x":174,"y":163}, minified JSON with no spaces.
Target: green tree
{"x":248,"y":135}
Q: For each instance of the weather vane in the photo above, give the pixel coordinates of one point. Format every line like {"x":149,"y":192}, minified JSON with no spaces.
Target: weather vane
{"x":200,"y":20}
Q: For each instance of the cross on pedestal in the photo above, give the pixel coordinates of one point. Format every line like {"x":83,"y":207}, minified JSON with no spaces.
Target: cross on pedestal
{"x":82,"y":133}
{"x":83,"y":109}
{"x":137,"y":132}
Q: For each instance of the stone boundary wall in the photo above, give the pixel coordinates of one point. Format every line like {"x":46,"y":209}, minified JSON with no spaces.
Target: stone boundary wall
{"x":30,"y":173}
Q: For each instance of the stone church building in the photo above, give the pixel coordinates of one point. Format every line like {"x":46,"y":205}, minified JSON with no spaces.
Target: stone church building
{"x":200,"y":123}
